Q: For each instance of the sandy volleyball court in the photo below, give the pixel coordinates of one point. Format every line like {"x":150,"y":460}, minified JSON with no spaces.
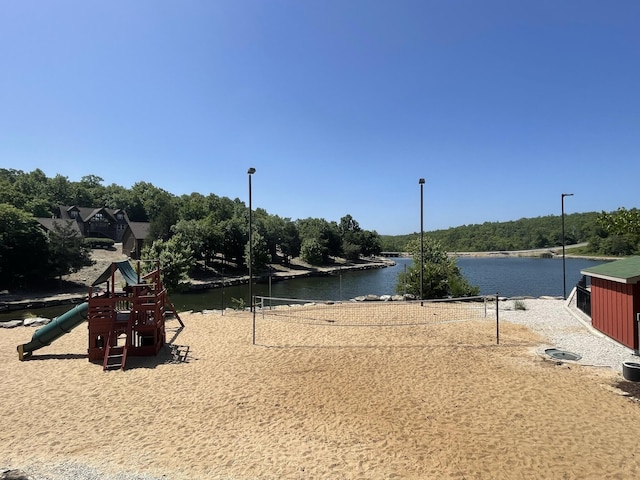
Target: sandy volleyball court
{"x":356,"y":402}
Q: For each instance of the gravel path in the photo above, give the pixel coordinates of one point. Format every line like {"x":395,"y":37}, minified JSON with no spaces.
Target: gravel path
{"x":567,"y":328}
{"x":67,"y":471}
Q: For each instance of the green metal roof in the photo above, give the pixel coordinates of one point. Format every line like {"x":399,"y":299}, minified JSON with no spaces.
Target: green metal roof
{"x":125,"y":268}
{"x":626,"y":270}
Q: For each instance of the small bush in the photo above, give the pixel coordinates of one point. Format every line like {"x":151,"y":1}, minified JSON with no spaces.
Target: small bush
{"x":519,"y":305}
{"x":238,"y":303}
{"x":93,"y":242}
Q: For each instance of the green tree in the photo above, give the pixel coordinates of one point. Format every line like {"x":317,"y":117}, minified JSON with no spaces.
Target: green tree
{"x":280,"y":234}
{"x":117,"y":197}
{"x":24,"y":251}
{"x":618,"y":245}
{"x":193,"y":207}
{"x":67,"y":253}
{"x":290,"y":243}
{"x":370,"y":243}
{"x":152,"y":199}
{"x":191,"y":234}
{"x":348,"y":225}
{"x":350,"y":231}
{"x":176,"y":260}
{"x":442,"y":277}
{"x":88,"y":191}
{"x":312,"y":251}
{"x":351,"y":251}
{"x":58,"y":191}
{"x":9,"y":191}
{"x":165,"y":216}
{"x":81,"y":195}
{"x":620,"y":222}
{"x":324,"y":233}
{"x":235,"y":235}
{"x":212,"y":238}
{"x":621,"y":232}
{"x":260,"y":253}
{"x":33,"y":186}
{"x":357,"y":242}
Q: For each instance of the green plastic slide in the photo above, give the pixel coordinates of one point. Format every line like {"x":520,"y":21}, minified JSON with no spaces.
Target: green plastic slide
{"x":54,"y":330}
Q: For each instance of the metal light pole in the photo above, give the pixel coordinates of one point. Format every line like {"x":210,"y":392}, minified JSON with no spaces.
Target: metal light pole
{"x":251,"y":171}
{"x":222,"y":292}
{"x":564,"y":270}
{"x":421,"y":182}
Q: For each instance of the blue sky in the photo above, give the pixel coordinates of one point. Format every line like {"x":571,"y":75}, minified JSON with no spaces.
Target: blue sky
{"x":341,"y":106}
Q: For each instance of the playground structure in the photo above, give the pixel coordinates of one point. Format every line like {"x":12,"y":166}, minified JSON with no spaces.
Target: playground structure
{"x":131,"y":323}
{"x":127,"y":323}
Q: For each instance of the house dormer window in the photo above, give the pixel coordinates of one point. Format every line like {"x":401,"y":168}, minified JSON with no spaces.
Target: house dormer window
{"x":99,"y":218}
{"x":120,"y":216}
{"x":73,"y":214}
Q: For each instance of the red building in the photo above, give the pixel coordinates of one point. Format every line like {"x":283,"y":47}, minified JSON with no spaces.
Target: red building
{"x":615,"y":300}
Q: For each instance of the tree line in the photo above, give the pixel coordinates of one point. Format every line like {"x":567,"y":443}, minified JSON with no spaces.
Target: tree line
{"x":607,"y":233}
{"x":187,"y":232}
{"x":194,"y":231}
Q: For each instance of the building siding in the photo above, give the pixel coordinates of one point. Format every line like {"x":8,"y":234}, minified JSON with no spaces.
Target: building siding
{"x":613,"y":310}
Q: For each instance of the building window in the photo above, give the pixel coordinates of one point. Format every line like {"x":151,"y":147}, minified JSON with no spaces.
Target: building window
{"x":99,"y":218}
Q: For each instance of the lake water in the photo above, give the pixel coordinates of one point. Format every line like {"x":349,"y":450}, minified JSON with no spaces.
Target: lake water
{"x":508,"y":277}
{"x":523,"y":276}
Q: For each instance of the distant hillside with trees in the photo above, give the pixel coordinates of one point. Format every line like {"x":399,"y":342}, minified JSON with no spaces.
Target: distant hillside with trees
{"x":612,"y":234}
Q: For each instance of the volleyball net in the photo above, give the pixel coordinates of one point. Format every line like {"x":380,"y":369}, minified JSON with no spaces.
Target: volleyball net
{"x":296,"y":322}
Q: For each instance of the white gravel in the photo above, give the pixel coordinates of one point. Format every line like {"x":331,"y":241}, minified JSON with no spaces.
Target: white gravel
{"x":567,"y":328}
{"x":68,"y":470}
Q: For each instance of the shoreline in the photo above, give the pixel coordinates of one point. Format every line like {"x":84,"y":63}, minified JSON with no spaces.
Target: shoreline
{"x":10,"y":302}
{"x":77,"y":290}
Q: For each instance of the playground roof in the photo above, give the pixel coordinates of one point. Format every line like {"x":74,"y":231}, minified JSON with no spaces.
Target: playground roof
{"x":124,"y":267}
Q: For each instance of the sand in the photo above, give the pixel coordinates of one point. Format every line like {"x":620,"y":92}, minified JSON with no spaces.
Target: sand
{"x":314,"y":401}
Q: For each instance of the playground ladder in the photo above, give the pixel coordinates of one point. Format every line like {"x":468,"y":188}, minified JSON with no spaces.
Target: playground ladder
{"x":116,"y":356}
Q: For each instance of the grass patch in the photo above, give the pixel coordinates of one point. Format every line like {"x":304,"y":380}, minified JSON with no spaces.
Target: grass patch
{"x":519,"y":305}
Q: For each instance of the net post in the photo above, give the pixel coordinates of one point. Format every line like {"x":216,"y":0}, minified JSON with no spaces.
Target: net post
{"x":253,"y":333}
{"x":497,"y":321}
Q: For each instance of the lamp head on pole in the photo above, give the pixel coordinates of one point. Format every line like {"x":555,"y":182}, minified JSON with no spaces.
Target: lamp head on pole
{"x":567,"y":195}
{"x":251,"y":171}
{"x":421,"y":181}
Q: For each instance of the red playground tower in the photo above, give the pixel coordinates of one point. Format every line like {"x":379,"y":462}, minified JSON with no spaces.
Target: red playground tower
{"x":130,"y":322}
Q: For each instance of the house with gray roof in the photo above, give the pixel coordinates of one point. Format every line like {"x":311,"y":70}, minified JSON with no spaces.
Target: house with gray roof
{"x":99,"y":222}
{"x":134,"y":237}
{"x":102,"y":222}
